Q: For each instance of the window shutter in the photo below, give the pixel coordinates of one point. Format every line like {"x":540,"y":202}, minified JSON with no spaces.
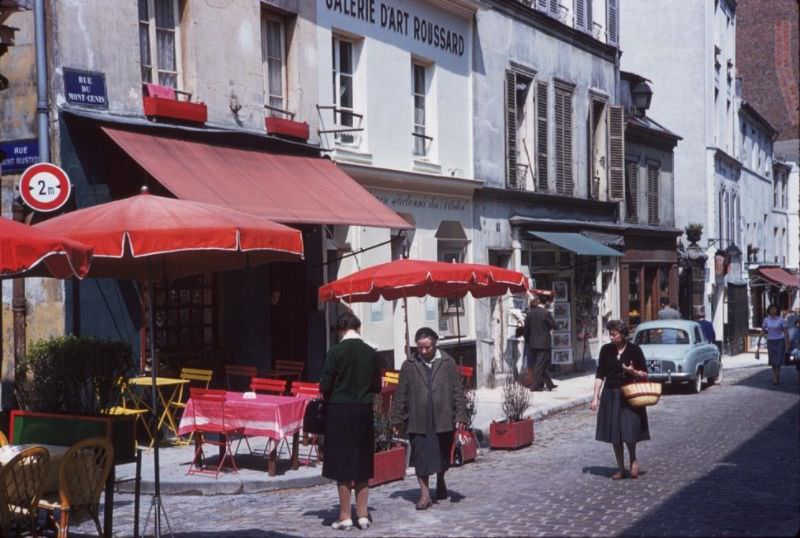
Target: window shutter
{"x":653,"y":172}
{"x":613,"y":22}
{"x":511,"y":130}
{"x":580,"y":14}
{"x":541,"y":136}
{"x":632,"y":191}
{"x":554,"y":8}
{"x":589,"y":17}
{"x":569,"y":179}
{"x":616,"y":158}
{"x":565,"y":183}
{"x":541,"y":4}
{"x":559,"y":119}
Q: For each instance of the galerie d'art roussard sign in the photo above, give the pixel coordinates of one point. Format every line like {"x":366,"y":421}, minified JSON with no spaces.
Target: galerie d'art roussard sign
{"x":402,"y":22}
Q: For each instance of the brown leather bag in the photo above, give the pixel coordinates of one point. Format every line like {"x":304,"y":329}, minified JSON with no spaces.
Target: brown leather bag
{"x":526,"y":377}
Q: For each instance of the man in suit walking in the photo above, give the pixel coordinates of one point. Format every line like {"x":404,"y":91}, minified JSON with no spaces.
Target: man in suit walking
{"x":539,"y":323}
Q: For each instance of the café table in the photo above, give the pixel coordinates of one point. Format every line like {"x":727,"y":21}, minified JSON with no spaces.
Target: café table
{"x":167,"y":389}
{"x":258,"y":415}
{"x":56,"y":452}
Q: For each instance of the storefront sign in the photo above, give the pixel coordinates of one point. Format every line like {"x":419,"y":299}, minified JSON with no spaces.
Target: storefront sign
{"x":400,"y":201}
{"x":400,"y":21}
{"x":86,"y":88}
{"x":19,"y":155}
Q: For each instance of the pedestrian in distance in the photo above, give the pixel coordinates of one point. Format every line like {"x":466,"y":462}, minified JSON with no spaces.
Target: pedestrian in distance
{"x":430,"y":404}
{"x":620,"y":362}
{"x":667,"y":311}
{"x":350,"y":378}
{"x":774,"y":326}
{"x":539,"y":324}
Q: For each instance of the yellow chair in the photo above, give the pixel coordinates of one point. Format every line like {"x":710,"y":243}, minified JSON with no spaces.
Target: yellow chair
{"x":82,"y":476}
{"x":127,"y":409}
{"x":3,"y":439}
{"x":198,"y":378}
{"x":21,"y":483}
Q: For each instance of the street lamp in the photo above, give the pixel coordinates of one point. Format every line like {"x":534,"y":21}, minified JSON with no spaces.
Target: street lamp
{"x":642,"y":95}
{"x":734,"y":255}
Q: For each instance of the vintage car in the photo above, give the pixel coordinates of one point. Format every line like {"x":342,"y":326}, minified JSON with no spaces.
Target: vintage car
{"x":676,"y":351}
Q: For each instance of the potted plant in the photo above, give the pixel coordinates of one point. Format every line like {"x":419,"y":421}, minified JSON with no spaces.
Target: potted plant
{"x":62,"y":387}
{"x":390,"y":454}
{"x":693,"y":232}
{"x":515,"y":431}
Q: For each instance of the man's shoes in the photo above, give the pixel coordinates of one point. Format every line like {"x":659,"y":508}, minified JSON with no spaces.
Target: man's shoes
{"x":423,"y":504}
{"x":539,"y":389}
{"x":551,"y":387}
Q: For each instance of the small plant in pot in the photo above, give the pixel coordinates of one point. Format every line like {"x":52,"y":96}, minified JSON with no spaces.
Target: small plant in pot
{"x":390,"y":456}
{"x":693,"y":232}
{"x":515,"y":431}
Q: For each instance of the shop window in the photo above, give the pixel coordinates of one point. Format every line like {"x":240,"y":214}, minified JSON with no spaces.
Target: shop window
{"x":273,"y":58}
{"x":634,"y":299}
{"x":185,"y":313}
{"x":159,"y":42}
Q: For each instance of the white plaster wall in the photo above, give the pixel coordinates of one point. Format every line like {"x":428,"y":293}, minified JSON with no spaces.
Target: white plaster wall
{"x":793,"y":220}
{"x":384,"y":86}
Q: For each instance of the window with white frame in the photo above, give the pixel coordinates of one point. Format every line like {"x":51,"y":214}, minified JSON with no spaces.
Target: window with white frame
{"x":273,"y":58}
{"x":343,"y":87}
{"x":159,"y":50}
{"x":420,"y":81}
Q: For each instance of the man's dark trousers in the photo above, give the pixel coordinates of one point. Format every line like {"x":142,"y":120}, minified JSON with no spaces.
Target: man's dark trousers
{"x":540,"y":358}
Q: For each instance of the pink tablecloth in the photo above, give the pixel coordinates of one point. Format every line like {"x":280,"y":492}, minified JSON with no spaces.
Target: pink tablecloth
{"x":264,"y":415}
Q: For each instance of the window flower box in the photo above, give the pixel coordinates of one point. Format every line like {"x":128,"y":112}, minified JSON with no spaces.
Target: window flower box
{"x":296,"y":130}
{"x":161,"y":102}
{"x":390,"y":465}
{"x":511,"y":435}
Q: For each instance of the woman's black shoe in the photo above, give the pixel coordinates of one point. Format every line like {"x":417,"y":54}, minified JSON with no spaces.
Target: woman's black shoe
{"x":441,"y":493}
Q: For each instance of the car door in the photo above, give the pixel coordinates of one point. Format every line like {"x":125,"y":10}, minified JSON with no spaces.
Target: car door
{"x":707,"y":353}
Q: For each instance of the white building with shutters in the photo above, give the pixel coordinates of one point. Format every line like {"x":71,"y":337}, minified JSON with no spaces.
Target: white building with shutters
{"x":549,"y":149}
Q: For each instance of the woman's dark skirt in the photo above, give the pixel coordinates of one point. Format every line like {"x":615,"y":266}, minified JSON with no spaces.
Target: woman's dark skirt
{"x":431,"y":452}
{"x":618,"y":422}
{"x":776,"y":349}
{"x":349,"y":442}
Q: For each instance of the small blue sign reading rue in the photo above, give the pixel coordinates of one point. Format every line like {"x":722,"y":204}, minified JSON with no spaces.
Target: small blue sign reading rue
{"x":19,"y":155}
{"x":86,"y":88}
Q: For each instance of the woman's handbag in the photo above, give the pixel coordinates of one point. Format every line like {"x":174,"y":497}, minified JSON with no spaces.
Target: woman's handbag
{"x":464,"y":447}
{"x":642,"y":393}
{"x":314,"y":417}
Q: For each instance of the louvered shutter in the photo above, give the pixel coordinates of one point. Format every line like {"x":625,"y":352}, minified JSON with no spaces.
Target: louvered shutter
{"x":559,"y":119}
{"x":554,"y":8}
{"x":511,"y":130}
{"x":569,"y":179}
{"x":616,"y":158}
{"x":631,"y":191}
{"x":565,"y":183}
{"x":580,"y":14}
{"x":613,"y":22}
{"x":541,"y":136}
{"x":541,"y":4}
{"x":589,"y":17}
{"x":653,"y":172}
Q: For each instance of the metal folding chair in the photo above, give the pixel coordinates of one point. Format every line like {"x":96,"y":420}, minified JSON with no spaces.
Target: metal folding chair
{"x":208,"y":409}
{"x":238,"y":376}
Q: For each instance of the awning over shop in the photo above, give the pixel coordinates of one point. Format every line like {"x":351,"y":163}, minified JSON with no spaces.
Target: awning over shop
{"x":779,"y":276}
{"x":576,"y":243}
{"x":285,"y":188}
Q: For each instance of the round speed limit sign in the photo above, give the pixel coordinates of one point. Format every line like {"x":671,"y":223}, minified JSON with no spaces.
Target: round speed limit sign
{"x":44,"y":187}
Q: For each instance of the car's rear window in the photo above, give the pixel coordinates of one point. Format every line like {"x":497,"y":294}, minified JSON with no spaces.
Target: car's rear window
{"x":662,"y":336}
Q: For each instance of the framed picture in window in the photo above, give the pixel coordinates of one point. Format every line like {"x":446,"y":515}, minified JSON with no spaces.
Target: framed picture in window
{"x":561,"y":339}
{"x":560,"y":291}
{"x":562,"y":325}
{"x":562,"y":356}
{"x":561,"y":310}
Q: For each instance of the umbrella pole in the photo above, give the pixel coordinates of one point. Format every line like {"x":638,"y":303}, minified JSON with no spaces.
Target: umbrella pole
{"x":408,"y":337}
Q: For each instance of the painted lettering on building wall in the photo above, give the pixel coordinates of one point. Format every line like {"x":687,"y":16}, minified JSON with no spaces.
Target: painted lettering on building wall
{"x":401,"y":22}
{"x":400,"y":201}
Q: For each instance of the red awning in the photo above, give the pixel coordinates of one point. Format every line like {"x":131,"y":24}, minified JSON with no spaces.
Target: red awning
{"x":283,"y":188}
{"x":780,"y":276}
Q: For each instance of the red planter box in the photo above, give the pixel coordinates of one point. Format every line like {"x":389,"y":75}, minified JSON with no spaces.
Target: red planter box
{"x":511,"y":435}
{"x":390,"y":465}
{"x":158,"y":107}
{"x":288,"y":128}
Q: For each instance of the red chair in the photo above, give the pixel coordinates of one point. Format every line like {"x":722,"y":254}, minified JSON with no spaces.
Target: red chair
{"x":268,"y":385}
{"x":466,"y":372}
{"x":208,"y":412}
{"x":238,"y":376}
{"x":305,"y":389}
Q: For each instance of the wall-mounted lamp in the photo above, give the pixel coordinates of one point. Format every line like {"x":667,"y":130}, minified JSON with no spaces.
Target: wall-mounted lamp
{"x":642,"y":95}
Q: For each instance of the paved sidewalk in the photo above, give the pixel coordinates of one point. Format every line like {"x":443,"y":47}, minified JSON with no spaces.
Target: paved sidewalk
{"x":252,"y":477}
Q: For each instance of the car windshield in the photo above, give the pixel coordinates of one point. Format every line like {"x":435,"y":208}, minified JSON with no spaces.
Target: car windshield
{"x":662,"y":336}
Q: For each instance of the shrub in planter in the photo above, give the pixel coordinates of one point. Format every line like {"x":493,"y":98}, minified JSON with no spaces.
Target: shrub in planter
{"x":390,"y":456}
{"x":514,"y":431}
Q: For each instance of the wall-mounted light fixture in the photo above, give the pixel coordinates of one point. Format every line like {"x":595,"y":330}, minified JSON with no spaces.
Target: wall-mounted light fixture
{"x":642,"y":95}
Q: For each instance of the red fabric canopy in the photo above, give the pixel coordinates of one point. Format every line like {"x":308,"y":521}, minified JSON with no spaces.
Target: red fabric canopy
{"x":283,"y":188}
{"x":780,"y":276}
{"x":164,"y":238}
{"x":24,"y":250}
{"x":417,"y":278}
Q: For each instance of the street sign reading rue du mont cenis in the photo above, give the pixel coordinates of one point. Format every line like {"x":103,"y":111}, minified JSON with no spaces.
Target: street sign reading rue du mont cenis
{"x":44,"y":187}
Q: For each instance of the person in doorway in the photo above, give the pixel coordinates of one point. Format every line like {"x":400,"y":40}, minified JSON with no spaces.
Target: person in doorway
{"x":774,"y":326}
{"x":619,"y":362}
{"x":430,"y":403}
{"x":706,"y":326}
{"x":350,"y":378}
{"x":667,"y":312}
{"x":539,"y":325}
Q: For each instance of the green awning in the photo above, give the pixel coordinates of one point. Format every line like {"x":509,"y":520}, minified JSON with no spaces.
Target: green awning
{"x":576,"y":243}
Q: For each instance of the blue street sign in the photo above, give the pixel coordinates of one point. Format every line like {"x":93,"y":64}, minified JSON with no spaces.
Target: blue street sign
{"x":19,"y":155}
{"x":85,"y":88}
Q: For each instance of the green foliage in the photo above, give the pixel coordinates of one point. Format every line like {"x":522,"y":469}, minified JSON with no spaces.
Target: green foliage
{"x":516,"y":400}
{"x":382,"y":424}
{"x":71,"y":374}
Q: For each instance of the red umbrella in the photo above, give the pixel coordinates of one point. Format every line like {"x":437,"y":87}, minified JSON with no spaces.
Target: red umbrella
{"x":24,"y":250}
{"x":147,"y":237}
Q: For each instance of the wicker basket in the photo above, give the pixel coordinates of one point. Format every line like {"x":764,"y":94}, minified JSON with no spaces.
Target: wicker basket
{"x":642,"y":394}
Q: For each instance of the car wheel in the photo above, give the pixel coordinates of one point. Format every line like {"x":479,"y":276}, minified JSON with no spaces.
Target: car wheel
{"x":697,"y":385}
{"x":717,"y":380}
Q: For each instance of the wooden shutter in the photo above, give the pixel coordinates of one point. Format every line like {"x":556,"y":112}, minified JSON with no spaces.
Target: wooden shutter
{"x":580,"y":14}
{"x":616,"y":158}
{"x":554,"y":8}
{"x":541,"y":136}
{"x":565,"y":183}
{"x":613,"y":22}
{"x":653,"y":173}
{"x":632,"y":191}
{"x":541,"y":4}
{"x":511,"y":130}
{"x":589,"y":17}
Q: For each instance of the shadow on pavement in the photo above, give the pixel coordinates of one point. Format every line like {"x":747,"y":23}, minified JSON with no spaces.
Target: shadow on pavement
{"x":763,"y":380}
{"x":737,"y":497}
{"x":599,"y":471}
{"x":326,"y":516}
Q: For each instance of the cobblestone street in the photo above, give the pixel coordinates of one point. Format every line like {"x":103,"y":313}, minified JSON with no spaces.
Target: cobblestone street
{"x":723,"y":463}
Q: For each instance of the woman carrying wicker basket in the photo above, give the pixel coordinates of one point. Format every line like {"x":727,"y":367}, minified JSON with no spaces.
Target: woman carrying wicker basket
{"x":620,"y":362}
